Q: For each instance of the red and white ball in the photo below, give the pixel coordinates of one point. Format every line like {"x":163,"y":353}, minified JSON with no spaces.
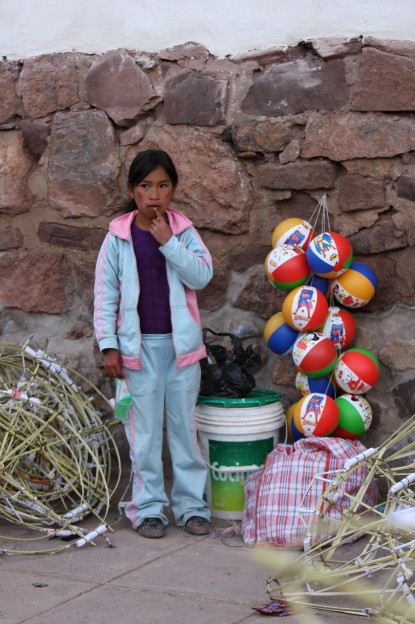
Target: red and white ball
{"x":340,"y":327}
{"x":314,"y":354}
{"x":316,"y":415}
{"x":305,"y":308}
{"x":286,"y":267}
{"x":356,"y":371}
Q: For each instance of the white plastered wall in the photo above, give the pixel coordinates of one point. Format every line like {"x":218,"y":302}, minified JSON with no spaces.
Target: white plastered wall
{"x":226,"y":27}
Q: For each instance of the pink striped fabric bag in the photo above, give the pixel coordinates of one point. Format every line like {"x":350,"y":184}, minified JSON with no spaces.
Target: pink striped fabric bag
{"x":274,"y":495}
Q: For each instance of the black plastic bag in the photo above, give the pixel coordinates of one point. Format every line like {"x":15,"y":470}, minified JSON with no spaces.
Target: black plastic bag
{"x":225,"y":373}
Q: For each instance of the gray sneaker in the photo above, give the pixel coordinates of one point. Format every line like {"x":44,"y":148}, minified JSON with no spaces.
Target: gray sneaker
{"x":152,"y":527}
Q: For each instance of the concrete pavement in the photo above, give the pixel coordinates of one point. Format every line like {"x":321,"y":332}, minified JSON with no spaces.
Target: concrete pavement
{"x":180,"y":579}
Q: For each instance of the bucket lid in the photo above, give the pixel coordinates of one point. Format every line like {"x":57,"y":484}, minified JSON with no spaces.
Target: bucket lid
{"x":254,"y":398}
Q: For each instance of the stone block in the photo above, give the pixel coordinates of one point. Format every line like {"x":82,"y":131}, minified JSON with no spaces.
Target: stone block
{"x":214,"y":189}
{"x":259,"y":296}
{"x":385,"y":82}
{"x":15,"y":197}
{"x":330,"y":47}
{"x":83,"y":166}
{"x":49,"y":83}
{"x":10,"y":238}
{"x":358,"y":192}
{"x":268,"y":135}
{"x":192,"y":98}
{"x":298,"y":86}
{"x":382,"y":236}
{"x":299,"y":175}
{"x":35,"y":281}
{"x":35,"y":136}
{"x":116,"y":85}
{"x":404,"y":398}
{"x":10,"y":103}
{"x":71,"y":237}
{"x":344,"y":136}
{"x":405,"y":188}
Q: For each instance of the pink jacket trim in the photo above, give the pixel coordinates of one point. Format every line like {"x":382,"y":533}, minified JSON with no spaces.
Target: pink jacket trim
{"x":131,"y":362}
{"x":191,"y":358}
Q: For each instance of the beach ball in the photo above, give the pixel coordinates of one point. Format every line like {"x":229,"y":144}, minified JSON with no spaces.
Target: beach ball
{"x":356,"y":371}
{"x":278,"y":335}
{"x":306,"y":385}
{"x":286,"y":267}
{"x":293,"y":232}
{"x":316,"y":415}
{"x":314,"y":354}
{"x":340,"y":327}
{"x":305,"y":308}
{"x":322,"y":283}
{"x":355,"y":416}
{"x":356,"y":287}
{"x":329,"y":254}
{"x":288,"y":419}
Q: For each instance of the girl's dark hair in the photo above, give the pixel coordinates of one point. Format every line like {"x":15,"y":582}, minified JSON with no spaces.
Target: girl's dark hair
{"x":144,"y":163}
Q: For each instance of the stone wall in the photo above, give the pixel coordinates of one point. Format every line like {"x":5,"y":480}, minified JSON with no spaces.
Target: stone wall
{"x":256,"y":139}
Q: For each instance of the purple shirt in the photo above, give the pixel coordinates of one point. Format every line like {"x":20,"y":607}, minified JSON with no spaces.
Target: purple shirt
{"x":153,"y":303}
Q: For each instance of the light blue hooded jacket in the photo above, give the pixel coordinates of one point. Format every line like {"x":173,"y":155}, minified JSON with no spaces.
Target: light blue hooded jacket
{"x":117,"y":288}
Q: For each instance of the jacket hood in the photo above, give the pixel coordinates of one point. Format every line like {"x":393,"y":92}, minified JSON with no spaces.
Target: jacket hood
{"x":121,"y":226}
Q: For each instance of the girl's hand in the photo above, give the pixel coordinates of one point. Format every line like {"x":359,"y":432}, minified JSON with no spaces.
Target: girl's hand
{"x":160,"y":229}
{"x":113,"y":363}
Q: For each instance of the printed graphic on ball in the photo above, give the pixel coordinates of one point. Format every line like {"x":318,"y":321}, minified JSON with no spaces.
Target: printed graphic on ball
{"x":311,"y":413}
{"x":304,"y":305}
{"x":345,"y":298}
{"x":348,"y":380}
{"x":297,"y":235}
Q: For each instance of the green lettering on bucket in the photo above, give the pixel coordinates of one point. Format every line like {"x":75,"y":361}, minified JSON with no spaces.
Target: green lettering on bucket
{"x":227,"y":488}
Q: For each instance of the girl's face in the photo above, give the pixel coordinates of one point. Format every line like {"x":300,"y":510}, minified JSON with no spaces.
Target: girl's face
{"x":154,"y":191}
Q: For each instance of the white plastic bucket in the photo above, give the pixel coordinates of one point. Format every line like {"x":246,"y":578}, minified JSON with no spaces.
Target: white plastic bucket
{"x":235,"y":438}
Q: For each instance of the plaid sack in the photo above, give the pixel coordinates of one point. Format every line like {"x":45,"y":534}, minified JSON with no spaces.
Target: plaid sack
{"x":275,"y":495}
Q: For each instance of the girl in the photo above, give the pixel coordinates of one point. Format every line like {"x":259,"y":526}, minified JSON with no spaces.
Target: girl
{"x":148,"y":328}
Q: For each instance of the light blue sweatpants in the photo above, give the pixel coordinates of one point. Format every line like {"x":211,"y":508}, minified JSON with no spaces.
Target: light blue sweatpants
{"x":160,"y":387}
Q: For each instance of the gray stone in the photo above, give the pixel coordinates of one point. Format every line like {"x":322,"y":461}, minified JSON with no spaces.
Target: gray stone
{"x":298,"y":86}
{"x":118,"y":86}
{"x":192,"y":98}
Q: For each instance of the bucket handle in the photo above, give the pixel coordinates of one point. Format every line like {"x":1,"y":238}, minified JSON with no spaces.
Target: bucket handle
{"x":251,"y":468}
